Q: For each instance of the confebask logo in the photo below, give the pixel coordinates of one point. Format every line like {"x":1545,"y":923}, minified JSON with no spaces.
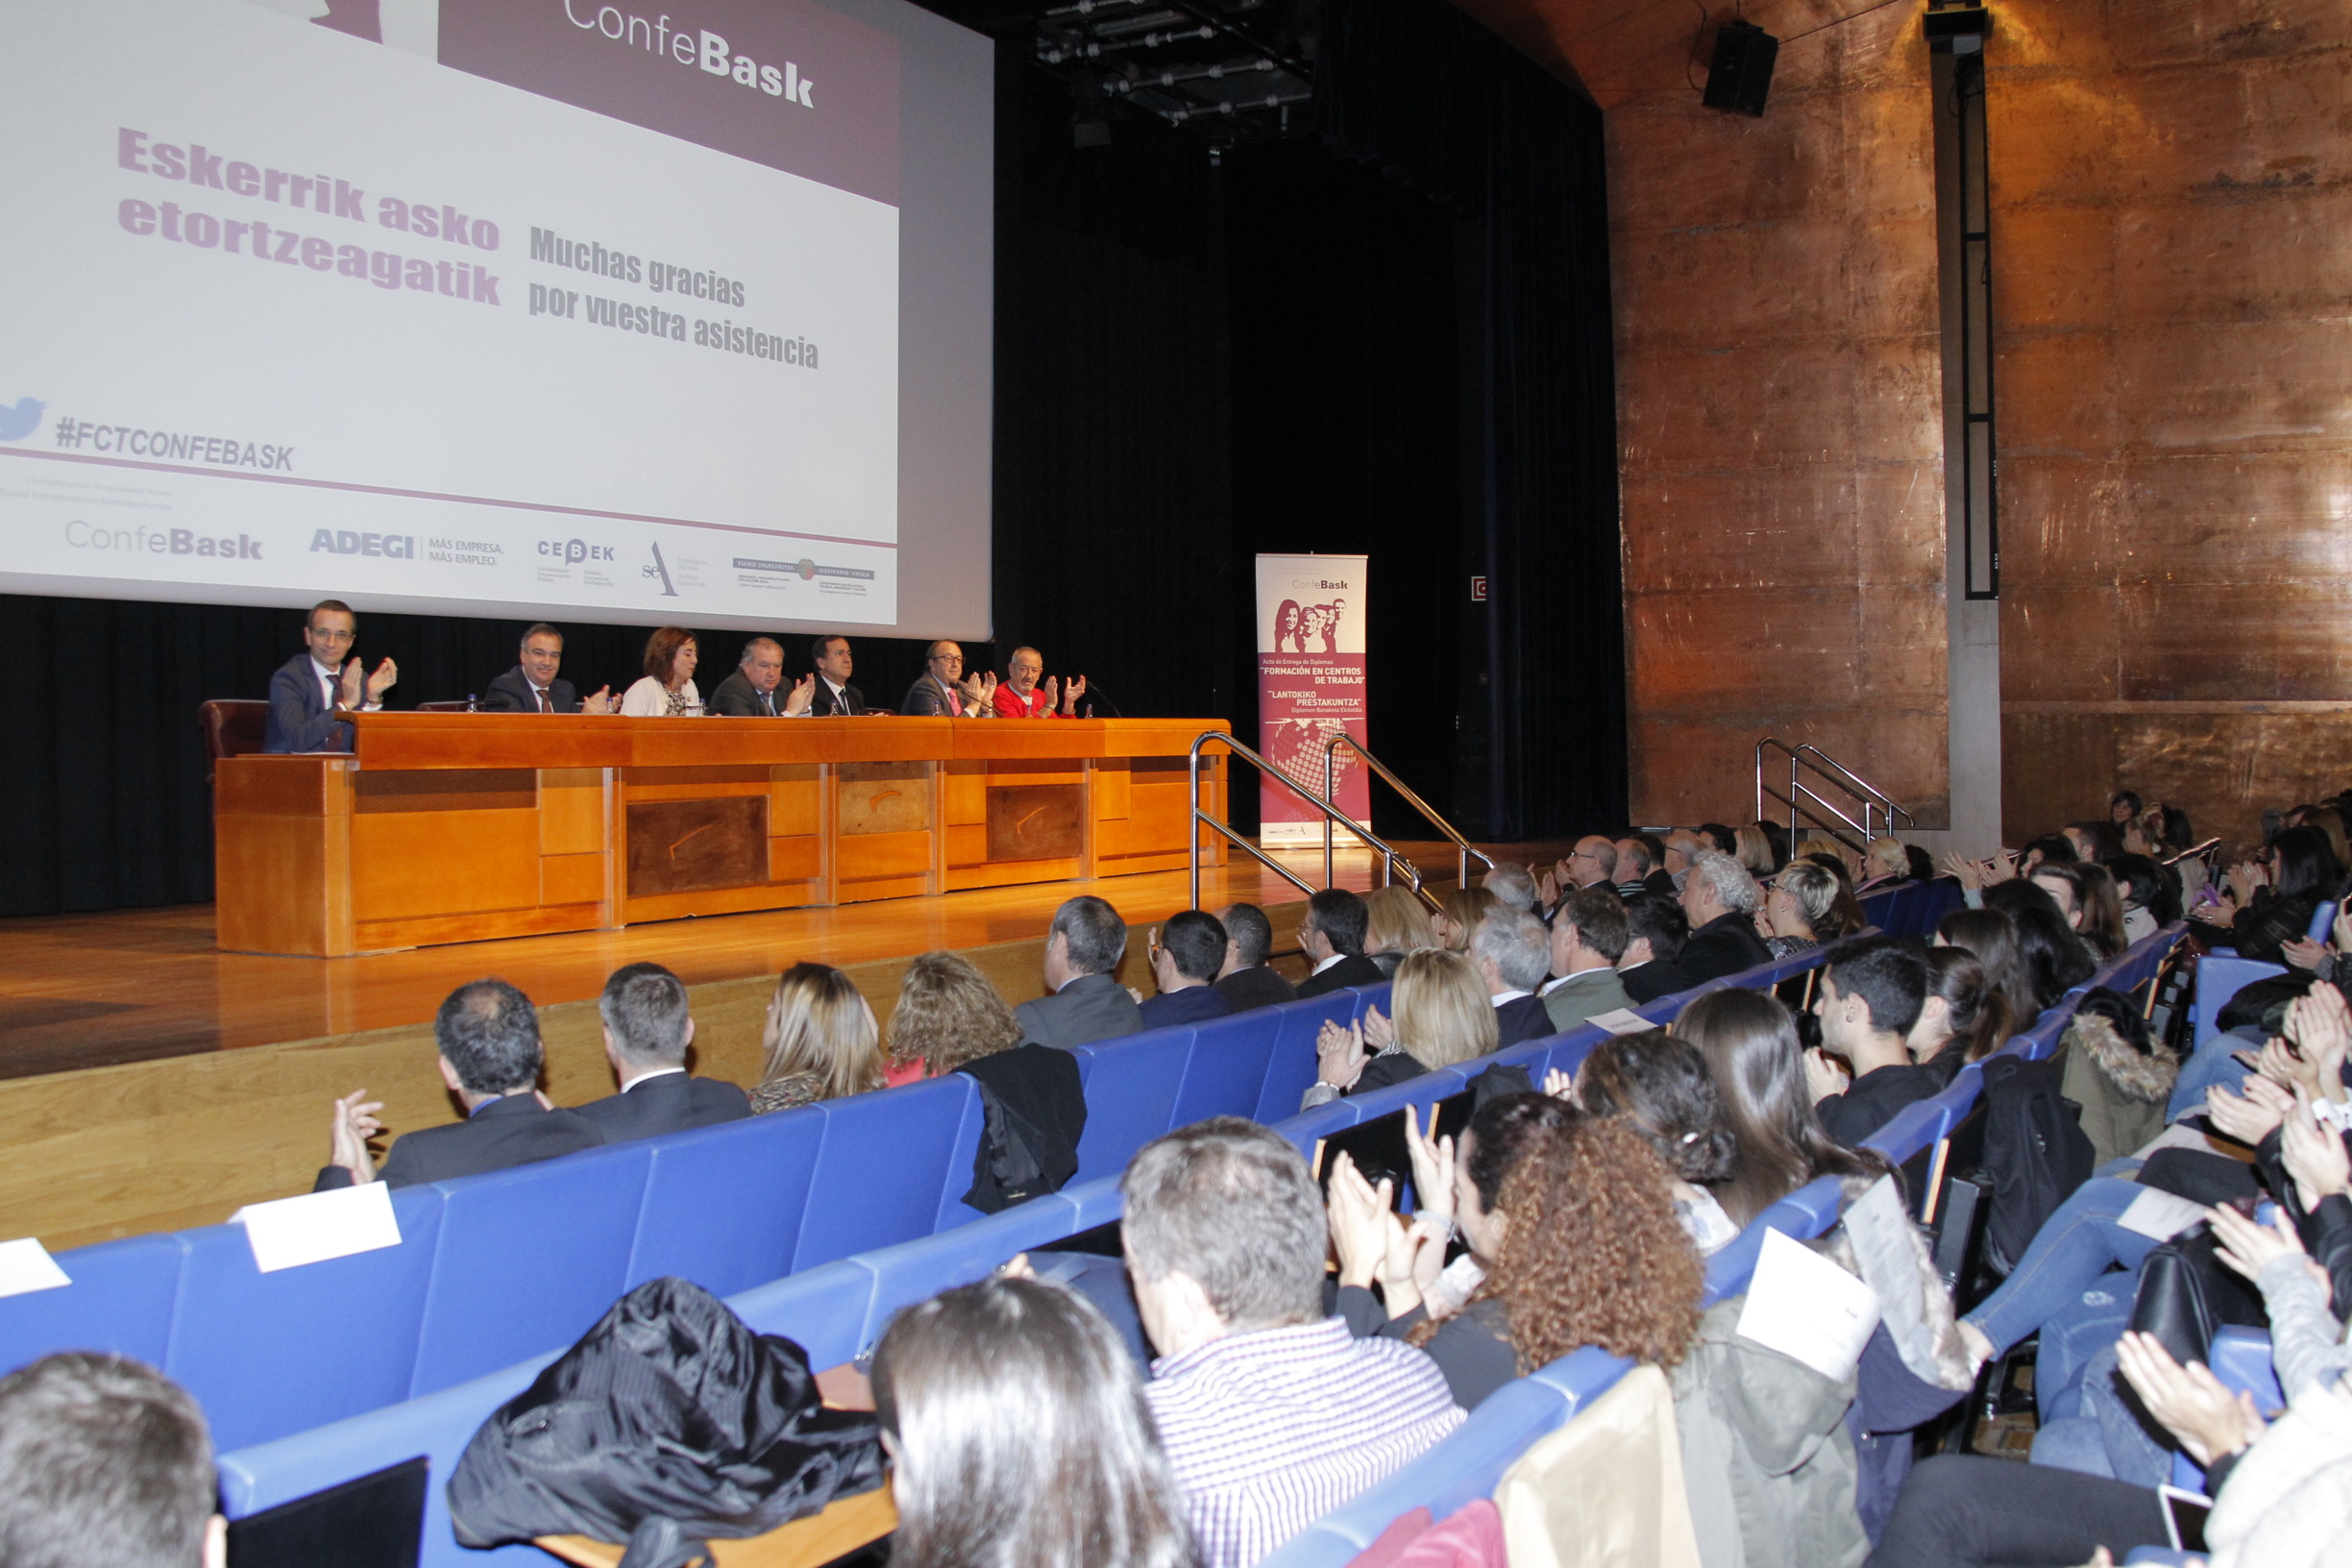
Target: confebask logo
{"x":702,"y":48}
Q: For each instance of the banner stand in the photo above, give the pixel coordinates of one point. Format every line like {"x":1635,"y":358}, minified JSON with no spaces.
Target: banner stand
{"x":1310,"y":687}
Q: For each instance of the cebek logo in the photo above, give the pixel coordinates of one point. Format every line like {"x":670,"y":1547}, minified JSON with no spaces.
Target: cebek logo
{"x":21,"y":419}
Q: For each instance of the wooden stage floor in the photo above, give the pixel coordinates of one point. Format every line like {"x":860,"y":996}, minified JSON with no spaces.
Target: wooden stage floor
{"x":86,"y":990}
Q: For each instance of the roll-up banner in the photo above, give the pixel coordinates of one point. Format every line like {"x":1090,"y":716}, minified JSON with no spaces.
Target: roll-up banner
{"x":1310,"y":687}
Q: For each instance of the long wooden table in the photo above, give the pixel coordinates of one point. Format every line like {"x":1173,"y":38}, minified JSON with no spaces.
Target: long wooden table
{"x":446,"y":827}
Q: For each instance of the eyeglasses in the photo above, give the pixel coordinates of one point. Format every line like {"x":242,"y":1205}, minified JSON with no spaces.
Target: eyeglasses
{"x":326,"y":636}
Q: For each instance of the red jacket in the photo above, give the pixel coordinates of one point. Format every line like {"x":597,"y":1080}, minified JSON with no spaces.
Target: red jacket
{"x":1009,"y":703}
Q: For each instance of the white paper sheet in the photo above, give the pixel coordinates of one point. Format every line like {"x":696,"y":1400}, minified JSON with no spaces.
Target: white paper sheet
{"x":26,"y":1266}
{"x":1621,"y":1022}
{"x":2160,"y":1216}
{"x":288,"y":1233}
{"x":1807,"y":1307}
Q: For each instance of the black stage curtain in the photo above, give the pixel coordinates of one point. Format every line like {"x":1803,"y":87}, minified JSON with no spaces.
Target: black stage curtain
{"x":1392,"y":339}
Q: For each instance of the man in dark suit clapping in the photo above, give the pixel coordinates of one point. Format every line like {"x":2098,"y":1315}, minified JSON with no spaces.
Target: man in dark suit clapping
{"x":753,"y":691}
{"x":531,"y":686}
{"x":648,"y":1027}
{"x":314,"y":693}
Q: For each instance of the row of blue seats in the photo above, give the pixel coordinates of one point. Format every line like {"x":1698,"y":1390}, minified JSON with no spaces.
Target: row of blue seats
{"x":838,"y":1310}
{"x":493,"y":1268}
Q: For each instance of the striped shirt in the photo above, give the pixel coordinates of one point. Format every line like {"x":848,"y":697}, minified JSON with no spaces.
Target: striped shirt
{"x":1268,"y":1432}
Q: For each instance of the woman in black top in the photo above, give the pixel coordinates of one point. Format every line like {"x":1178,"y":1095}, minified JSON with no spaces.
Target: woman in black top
{"x":2265,"y":912}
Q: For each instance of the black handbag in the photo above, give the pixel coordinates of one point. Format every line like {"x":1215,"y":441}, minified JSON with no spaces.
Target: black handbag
{"x":2186,"y":1295}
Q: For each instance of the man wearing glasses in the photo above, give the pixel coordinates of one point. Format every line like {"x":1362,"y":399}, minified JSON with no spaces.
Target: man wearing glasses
{"x":312,"y":692}
{"x":942,"y":690}
{"x":1591,"y":864}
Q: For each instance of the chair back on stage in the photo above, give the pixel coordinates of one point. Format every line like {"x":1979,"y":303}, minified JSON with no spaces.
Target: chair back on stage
{"x":232,"y":727}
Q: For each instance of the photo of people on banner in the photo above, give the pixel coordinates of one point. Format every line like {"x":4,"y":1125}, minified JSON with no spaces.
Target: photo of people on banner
{"x":1310,"y":687}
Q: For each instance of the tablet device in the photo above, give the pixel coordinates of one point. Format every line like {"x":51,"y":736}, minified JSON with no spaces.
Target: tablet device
{"x":374,"y":1521}
{"x":2184,"y":1514}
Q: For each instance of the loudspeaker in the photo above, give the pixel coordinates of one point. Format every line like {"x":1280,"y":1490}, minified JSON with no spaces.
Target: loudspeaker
{"x":1741,"y":72}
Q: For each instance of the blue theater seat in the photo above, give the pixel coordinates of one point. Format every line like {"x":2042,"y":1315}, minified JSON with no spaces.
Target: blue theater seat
{"x":1227,"y":1071}
{"x":1132,"y":1090}
{"x":2220,"y":976}
{"x":723,"y":1205}
{"x":886,"y":1162}
{"x":121,"y":1300}
{"x":824,"y":1310}
{"x":529,"y":1259}
{"x":1291,"y":1070}
{"x":919,"y":1270}
{"x":269,"y":1355}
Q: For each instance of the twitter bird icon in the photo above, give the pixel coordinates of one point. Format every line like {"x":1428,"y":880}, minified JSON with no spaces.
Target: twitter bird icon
{"x":20,"y":421}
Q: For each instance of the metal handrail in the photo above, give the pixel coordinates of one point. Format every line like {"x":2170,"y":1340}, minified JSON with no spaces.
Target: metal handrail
{"x":1801,"y":798}
{"x":1463,"y":849}
{"x":1331,"y":814}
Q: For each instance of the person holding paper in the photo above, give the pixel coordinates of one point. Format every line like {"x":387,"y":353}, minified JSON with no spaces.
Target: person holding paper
{"x":488,"y":1035}
{"x":1571,"y":1219}
{"x":1871,"y":993}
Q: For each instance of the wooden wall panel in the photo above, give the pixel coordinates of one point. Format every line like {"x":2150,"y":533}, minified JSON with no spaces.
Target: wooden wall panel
{"x":405,"y":860}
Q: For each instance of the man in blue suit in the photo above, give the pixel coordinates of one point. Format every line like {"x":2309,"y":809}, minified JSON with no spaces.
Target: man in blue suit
{"x":531,"y":686}
{"x":313,"y":690}
{"x":1185,"y":959}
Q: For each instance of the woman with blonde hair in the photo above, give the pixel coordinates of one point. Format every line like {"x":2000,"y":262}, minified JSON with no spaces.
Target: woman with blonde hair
{"x":1755,"y":851}
{"x":1399,"y":924}
{"x":947,"y":1015}
{"x":1800,"y":909}
{"x":1443,"y":1016}
{"x":1465,"y":908}
{"x":820,"y":1040}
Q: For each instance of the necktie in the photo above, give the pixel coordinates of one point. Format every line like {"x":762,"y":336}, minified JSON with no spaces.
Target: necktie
{"x":545,"y":706}
{"x":955,"y":703}
{"x":767,"y":701}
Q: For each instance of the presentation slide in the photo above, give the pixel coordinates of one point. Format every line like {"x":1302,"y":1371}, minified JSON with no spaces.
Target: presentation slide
{"x":531,"y":307}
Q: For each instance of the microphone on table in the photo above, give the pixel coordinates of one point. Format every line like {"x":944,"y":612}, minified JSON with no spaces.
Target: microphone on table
{"x":1093,"y":691}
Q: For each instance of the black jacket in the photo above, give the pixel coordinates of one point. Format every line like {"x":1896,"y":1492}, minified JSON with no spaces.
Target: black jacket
{"x":1035,"y":1113}
{"x":671,"y":1103}
{"x":1522,"y":1018}
{"x":737,"y":699}
{"x":1724,"y":946}
{"x":823,"y":706}
{"x":1647,"y":982}
{"x":1355,"y":970}
{"x":1091,"y":1007}
{"x":511,"y":692}
{"x":1257,"y":986}
{"x":500,"y":1135}
{"x":1873,"y":1101}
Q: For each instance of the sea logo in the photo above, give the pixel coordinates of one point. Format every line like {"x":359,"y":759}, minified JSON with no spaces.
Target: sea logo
{"x":20,"y":420}
{"x":660,"y":570}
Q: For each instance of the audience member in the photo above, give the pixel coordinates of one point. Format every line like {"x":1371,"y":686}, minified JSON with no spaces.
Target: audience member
{"x":1442,"y":1017}
{"x":1750,"y":1042}
{"x":1871,"y":993}
{"x":1571,"y":1221}
{"x":1018,"y":1435}
{"x":1514,"y":888}
{"x":2265,"y":909}
{"x":666,"y":689}
{"x":751,"y":692}
{"x":1800,"y":908}
{"x":1720,"y":898}
{"x":1659,"y":1086}
{"x":2086,"y":900}
{"x":313,"y":694}
{"x":2094,"y":841}
{"x":834,"y":697}
{"x":1247,"y":980}
{"x":1083,"y":948}
{"x":1635,"y":865}
{"x":1591,"y":864}
{"x":2150,"y":893}
{"x":488,"y":1036}
{"x":1511,"y":951}
{"x":1331,"y":932}
{"x":1991,"y":937}
{"x":1271,"y":1414}
{"x":947,"y":1015}
{"x":105,"y":1464}
{"x":1683,"y":847}
{"x":1019,"y":696}
{"x":1755,"y":851}
{"x":944,"y":691}
{"x":1465,"y":908}
{"x":1396,"y":923}
{"x":1588,"y":937}
{"x":1963,"y":1017}
{"x":1655,"y":930}
{"x":819,"y":1041}
{"x":531,"y":686}
{"x":1828,"y":851}
{"x":1186,"y":956}
{"x":648,"y":1027}
{"x":1719,"y":838}
{"x":1883,"y":862}
{"x":2053,"y":958}
{"x":2123,"y":807}
{"x":1921,"y":862}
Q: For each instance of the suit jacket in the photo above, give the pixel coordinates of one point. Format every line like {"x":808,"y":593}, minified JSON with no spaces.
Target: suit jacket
{"x":1194,"y":1004}
{"x":1662,"y":881}
{"x":1355,"y":970}
{"x":1521,"y":1018}
{"x":1582,"y":994}
{"x":500,"y":1135}
{"x":823,"y":706}
{"x":1091,"y":1007}
{"x":1257,"y":986}
{"x":925,"y":698}
{"x":737,"y":699}
{"x":299,"y":717}
{"x":511,"y":692}
{"x":671,"y":1103}
{"x":1724,"y":946}
{"x":1648,"y":982}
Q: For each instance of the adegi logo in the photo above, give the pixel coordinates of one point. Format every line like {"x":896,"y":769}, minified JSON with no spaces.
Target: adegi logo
{"x":400,"y":547}
{"x":573,"y":552}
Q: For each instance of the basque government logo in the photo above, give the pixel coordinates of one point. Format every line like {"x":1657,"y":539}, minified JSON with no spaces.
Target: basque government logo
{"x":21,"y":419}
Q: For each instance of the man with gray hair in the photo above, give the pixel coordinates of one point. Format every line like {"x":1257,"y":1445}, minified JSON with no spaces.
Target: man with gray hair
{"x":1721,"y":899}
{"x":1083,"y":948}
{"x":1513,"y":954}
{"x":751,"y":692}
{"x":106,"y":1461}
{"x":1513,"y":887}
{"x":648,"y":1026}
{"x":1271,"y":1413}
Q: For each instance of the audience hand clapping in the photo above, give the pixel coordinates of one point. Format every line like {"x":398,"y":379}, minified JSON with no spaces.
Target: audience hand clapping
{"x":1433,"y":1170}
{"x":1561,"y":1085}
{"x":2209,"y":1420}
{"x":2321,"y":1023}
{"x":2314,"y":1156}
{"x":2249,"y":1119}
{"x":355,"y":1123}
{"x":1379,"y":1029}
{"x":1363,"y":1226}
{"x":2250,"y":1248}
{"x":1339,"y":1054}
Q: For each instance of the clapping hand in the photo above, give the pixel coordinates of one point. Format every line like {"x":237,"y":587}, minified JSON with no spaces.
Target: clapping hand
{"x":1561,"y":1085}
{"x":2303,"y":953}
{"x":2250,"y":1248}
{"x":1823,"y":1076}
{"x":804,"y":693}
{"x":2243,"y":878}
{"x":1053,"y":692}
{"x":601,"y":702}
{"x":349,"y":684}
{"x":1969,"y":872}
{"x":1072,"y":692}
{"x":2209,"y":1420}
{"x":1548,"y":883}
{"x":1378,"y":1032}
{"x":355,"y":1123}
{"x":1363,"y":1224}
{"x":979,"y":688}
{"x":1339,"y":1054}
{"x":2321,"y":1023}
{"x":1433,"y":1171}
{"x":381,"y":681}
{"x":2248,"y":1119}
{"x":2313,"y":1155}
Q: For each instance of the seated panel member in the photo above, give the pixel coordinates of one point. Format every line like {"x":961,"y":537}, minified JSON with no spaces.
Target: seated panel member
{"x":312,"y":692}
{"x":751,"y":692}
{"x":488,"y":1036}
{"x":648,"y":1026}
{"x":943,"y":689}
{"x":833,"y":697}
{"x":532,"y":687}
{"x":1185,"y":961}
{"x":666,"y":689}
{"x":1019,"y":695}
{"x":1246,"y":978}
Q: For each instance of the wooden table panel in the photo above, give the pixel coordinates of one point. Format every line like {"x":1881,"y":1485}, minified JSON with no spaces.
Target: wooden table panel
{"x":407,"y":864}
{"x":571,"y":810}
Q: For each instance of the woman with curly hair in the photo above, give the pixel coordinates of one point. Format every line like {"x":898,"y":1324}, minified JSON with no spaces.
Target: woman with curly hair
{"x":1748,"y":1039}
{"x":947,"y":1015}
{"x":818,"y":1041}
{"x":1572,"y":1217}
{"x":1659,"y":1087}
